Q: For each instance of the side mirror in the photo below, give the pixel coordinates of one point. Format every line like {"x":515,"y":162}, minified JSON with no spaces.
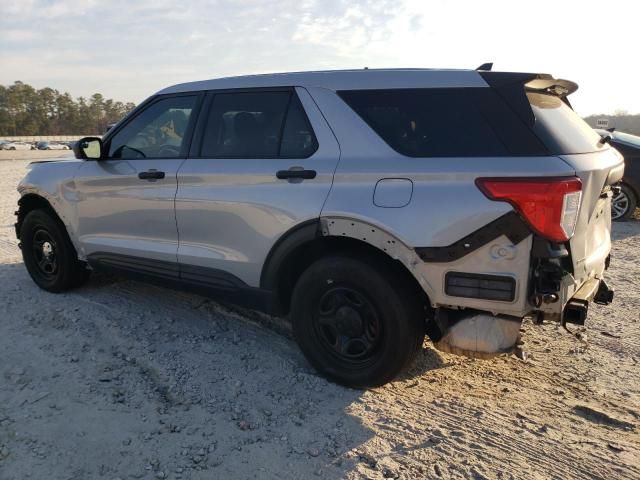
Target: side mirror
{"x":88,"y":148}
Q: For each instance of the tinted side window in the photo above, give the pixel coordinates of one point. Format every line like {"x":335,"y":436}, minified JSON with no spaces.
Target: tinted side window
{"x":156,"y":132}
{"x":298,"y":140}
{"x":257,"y":125}
{"x":245,"y":125}
{"x":471,"y":122}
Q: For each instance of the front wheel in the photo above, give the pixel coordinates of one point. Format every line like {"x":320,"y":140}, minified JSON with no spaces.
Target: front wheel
{"x":48,"y":253}
{"x":623,"y":204}
{"x":357,"y":324}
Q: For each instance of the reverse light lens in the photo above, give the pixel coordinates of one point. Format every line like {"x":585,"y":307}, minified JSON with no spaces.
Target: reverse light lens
{"x":550,"y":205}
{"x":570,"y":208}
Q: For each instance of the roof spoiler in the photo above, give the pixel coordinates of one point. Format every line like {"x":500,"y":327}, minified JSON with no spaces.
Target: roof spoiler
{"x":554,"y":86}
{"x":485,"y":67}
{"x":533,"y":82}
{"x":513,"y":86}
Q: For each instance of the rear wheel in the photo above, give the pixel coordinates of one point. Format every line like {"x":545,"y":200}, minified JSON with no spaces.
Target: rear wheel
{"x":358,"y":324}
{"x":623,"y":204}
{"x":48,"y":253}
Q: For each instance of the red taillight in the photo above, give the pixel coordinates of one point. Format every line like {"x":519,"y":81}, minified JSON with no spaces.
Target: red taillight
{"x":550,"y":205}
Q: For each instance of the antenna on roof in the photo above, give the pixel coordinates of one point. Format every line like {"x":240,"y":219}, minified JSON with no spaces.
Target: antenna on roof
{"x":366,"y":68}
{"x":486,"y":66}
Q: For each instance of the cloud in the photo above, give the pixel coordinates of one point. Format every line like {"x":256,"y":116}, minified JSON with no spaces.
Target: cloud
{"x":128,"y":49}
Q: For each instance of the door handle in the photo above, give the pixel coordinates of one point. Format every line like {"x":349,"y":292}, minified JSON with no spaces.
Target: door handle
{"x":289,"y":174}
{"x":151,"y":175}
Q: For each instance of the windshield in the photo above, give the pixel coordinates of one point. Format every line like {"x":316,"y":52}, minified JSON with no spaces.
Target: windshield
{"x":560,"y":128}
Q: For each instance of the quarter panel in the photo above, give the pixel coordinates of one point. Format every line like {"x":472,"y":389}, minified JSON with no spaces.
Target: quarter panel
{"x":445,"y":205}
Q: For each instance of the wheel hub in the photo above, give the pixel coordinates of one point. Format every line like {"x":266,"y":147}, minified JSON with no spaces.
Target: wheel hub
{"x":348,"y":321}
{"x":347,"y":324}
{"x":47,"y":250}
{"x":44,"y":250}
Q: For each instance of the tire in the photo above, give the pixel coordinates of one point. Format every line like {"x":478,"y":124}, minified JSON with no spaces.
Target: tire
{"x":49,"y":255}
{"x":358,"y":324}
{"x":624,"y":204}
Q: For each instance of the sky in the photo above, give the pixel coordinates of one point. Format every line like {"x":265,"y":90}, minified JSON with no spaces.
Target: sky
{"x":129,"y":49}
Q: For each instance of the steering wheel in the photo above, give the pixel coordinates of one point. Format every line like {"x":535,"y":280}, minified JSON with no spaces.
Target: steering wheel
{"x":168,"y":151}
{"x":121,"y":149}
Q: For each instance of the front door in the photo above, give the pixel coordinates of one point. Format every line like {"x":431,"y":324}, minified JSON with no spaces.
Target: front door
{"x":264,"y":164}
{"x":126,"y":215}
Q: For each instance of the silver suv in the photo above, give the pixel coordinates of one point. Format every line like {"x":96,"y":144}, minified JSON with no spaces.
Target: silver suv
{"x":372,"y":207}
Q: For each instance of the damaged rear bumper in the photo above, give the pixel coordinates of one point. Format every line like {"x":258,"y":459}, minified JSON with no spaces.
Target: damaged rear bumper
{"x":593,"y":290}
{"x":556,"y":294}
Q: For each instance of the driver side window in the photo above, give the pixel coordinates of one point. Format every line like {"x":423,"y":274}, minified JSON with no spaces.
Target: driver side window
{"x":156,"y":132}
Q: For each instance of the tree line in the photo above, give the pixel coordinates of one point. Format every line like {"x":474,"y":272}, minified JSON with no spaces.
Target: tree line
{"x":25,"y":110}
{"x":621,"y":120}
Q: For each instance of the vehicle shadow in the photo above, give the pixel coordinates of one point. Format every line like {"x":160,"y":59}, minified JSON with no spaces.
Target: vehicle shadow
{"x":187,"y":384}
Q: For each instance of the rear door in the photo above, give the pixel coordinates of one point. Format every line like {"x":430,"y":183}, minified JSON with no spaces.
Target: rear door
{"x":262,"y":163}
{"x":125,"y":203}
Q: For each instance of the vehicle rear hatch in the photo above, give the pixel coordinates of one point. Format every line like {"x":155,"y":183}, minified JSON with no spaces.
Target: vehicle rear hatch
{"x":541,"y":101}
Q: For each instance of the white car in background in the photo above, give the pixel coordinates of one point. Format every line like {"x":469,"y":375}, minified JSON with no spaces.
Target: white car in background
{"x":15,"y":146}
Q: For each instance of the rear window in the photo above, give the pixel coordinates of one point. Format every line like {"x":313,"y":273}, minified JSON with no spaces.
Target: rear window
{"x":560,"y":128}
{"x":450,"y":122}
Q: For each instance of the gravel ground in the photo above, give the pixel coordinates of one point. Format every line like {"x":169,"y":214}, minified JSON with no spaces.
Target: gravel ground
{"x":120,"y":380}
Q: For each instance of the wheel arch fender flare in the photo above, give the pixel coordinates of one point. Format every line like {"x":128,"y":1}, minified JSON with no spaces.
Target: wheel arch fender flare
{"x":328,"y":233}
{"x":290,"y":241}
{"x":31,"y":200}
{"x":383,"y":241}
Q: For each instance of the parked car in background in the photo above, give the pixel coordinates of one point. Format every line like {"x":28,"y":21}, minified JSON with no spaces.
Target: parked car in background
{"x":15,"y":146}
{"x":371,"y":206}
{"x":53,"y":146}
{"x":625,"y":201}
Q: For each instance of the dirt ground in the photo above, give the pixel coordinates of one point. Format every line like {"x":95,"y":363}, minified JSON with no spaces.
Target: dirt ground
{"x":120,"y":380}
